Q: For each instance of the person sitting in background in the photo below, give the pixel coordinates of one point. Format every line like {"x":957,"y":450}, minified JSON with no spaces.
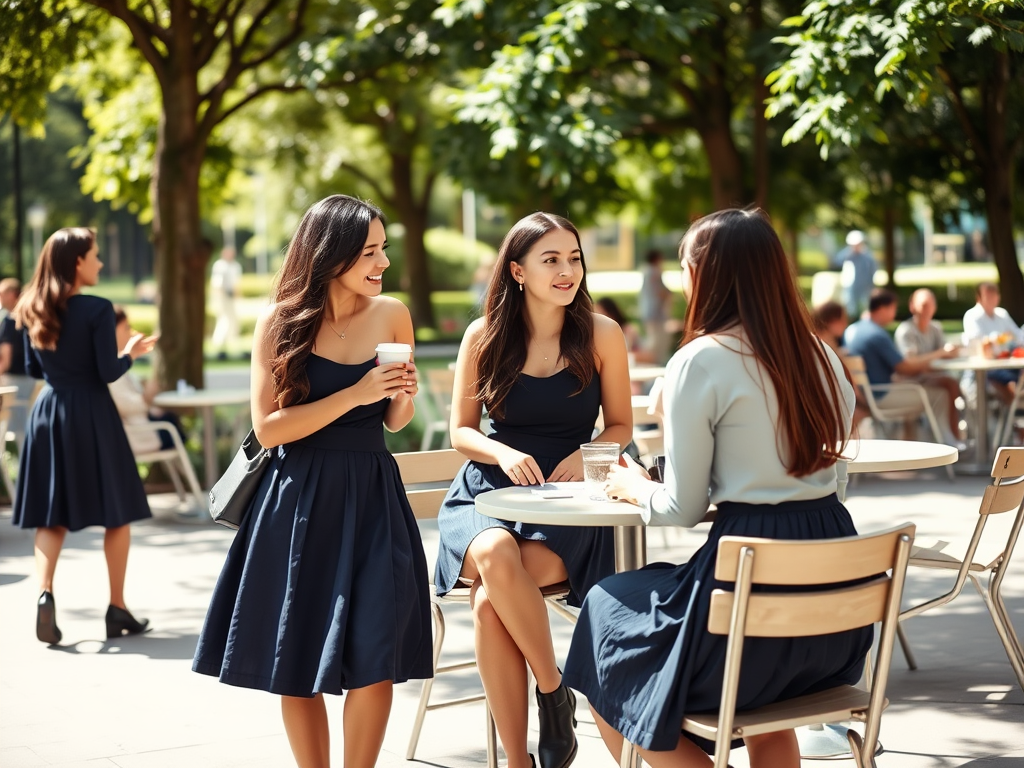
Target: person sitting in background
{"x":830,"y":321}
{"x":991,"y":325}
{"x":134,"y":401}
{"x":869,"y":340}
{"x":921,"y":335}
{"x":12,"y":360}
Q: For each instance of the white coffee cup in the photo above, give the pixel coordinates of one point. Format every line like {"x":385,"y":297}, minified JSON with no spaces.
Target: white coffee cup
{"x":393,"y":353}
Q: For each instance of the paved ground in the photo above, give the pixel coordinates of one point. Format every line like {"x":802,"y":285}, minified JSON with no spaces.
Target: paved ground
{"x":133,"y":703}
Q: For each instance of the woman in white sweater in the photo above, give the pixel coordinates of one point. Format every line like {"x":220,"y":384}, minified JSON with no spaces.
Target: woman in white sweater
{"x":757,"y":410}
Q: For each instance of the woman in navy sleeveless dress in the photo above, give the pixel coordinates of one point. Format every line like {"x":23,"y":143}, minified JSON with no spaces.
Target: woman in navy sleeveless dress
{"x":76,"y":467}
{"x":325,"y":586}
{"x":543,"y":363}
{"x":641,"y":652}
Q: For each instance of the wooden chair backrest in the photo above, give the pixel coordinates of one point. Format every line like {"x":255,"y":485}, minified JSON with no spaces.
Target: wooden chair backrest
{"x":810,"y":563}
{"x":859,"y":374}
{"x":427,"y":476}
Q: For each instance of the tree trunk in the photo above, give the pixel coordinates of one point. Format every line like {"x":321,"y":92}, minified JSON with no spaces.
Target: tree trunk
{"x":180,"y":249}
{"x":414,"y":217}
{"x":889,"y":236}
{"x":999,"y":212}
{"x":760,"y":118}
{"x":999,"y":165}
{"x":19,"y":207}
{"x":726,"y":165}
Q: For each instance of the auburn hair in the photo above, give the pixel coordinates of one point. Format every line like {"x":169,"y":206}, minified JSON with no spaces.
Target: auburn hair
{"x":44,"y":300}
{"x":741,"y":275}
{"x":326,"y":244}
{"x":501,"y":348}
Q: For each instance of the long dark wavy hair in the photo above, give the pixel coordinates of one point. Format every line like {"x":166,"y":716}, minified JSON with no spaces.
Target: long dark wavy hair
{"x":501,"y":349}
{"x":741,"y":275}
{"x":327,"y":243}
{"x":43,"y":302}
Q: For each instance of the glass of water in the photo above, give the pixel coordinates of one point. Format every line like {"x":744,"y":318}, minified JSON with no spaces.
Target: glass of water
{"x":597,"y":459}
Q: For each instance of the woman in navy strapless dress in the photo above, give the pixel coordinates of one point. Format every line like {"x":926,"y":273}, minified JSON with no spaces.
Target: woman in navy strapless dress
{"x":76,"y":467}
{"x":543,"y":363}
{"x":325,"y":585}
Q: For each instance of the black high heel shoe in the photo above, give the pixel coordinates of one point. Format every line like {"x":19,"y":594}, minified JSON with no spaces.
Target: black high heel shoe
{"x":46,"y":620}
{"x":121,"y":622}
{"x":557,"y":744}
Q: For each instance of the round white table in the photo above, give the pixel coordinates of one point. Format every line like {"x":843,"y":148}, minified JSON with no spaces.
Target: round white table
{"x":520,"y":504}
{"x":981,"y":462}
{"x":205,"y":400}
{"x":8,"y":389}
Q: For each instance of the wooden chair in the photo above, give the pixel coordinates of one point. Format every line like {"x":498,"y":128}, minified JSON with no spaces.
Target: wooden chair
{"x":1005,"y":494}
{"x":742,"y":613}
{"x":427,"y":476}
{"x":440,"y":383}
{"x":175,"y":458}
{"x":901,"y":414}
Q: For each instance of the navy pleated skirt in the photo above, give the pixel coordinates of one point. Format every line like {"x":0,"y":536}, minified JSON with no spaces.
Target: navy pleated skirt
{"x":325,"y":585}
{"x":587,"y":552}
{"x":642,"y":655}
{"x":76,"y":467}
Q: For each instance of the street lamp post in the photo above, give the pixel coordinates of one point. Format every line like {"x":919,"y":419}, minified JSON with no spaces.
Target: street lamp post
{"x":36,"y":218}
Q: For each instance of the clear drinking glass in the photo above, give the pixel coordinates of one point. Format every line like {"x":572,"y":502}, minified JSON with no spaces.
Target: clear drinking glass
{"x":597,"y":459}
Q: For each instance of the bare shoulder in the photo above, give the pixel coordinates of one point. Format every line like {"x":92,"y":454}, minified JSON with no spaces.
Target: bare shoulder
{"x":475,"y":330}
{"x":607,"y":334}
{"x":388,"y":304}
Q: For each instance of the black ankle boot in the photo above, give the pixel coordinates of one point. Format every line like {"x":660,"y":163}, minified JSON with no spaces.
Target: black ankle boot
{"x":121,"y":622}
{"x":46,"y":620}
{"x":557,"y":745}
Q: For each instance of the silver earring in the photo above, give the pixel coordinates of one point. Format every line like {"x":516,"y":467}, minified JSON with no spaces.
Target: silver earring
{"x":520,"y":285}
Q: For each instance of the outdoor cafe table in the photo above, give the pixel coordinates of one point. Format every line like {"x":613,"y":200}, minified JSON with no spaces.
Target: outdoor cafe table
{"x":981,"y":463}
{"x":205,"y":400}
{"x":520,"y":504}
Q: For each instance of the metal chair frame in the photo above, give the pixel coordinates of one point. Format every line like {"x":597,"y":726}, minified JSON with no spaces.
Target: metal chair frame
{"x":1005,"y":494}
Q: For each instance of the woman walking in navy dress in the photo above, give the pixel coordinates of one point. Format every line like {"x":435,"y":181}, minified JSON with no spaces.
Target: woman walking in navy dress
{"x":755,"y":409}
{"x":543,"y":363}
{"x":76,"y":468}
{"x":325,"y":586}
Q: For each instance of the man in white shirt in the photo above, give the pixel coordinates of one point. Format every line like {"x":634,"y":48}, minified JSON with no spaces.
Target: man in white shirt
{"x":992,"y":325}
{"x":225,"y":279}
{"x":921,"y":335}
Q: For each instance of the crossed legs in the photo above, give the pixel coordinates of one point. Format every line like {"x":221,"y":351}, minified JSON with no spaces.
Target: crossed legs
{"x":365,"y":718}
{"x":511,"y":628}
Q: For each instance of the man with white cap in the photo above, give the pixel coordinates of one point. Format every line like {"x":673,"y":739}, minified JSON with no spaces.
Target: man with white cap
{"x":857,"y":273}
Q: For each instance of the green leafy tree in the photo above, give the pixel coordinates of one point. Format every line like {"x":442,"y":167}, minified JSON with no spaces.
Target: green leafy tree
{"x":955,"y":68}
{"x":209,"y":59}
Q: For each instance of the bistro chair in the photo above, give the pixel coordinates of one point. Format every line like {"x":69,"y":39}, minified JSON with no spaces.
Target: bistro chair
{"x":881,"y":558}
{"x":903,"y":413}
{"x":427,"y":476}
{"x":1005,"y":494}
{"x":175,"y":459}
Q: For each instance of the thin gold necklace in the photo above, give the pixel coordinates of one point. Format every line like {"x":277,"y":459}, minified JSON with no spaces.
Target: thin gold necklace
{"x":342,"y":334}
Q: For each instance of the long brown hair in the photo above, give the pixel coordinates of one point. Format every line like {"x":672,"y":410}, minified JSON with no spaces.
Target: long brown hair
{"x":501,"y":350}
{"x":327,"y":243}
{"x":44,"y":300}
{"x":741,"y":275}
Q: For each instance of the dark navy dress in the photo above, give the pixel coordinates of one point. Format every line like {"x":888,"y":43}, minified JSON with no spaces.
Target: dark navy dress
{"x":325,"y":585}
{"x":545,"y":420}
{"x":643,"y":657}
{"x":76,"y":467}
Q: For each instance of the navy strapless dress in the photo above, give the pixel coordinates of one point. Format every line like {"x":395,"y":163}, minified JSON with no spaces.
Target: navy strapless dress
{"x":544,"y":419}
{"x":325,"y":585}
{"x":76,"y":467}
